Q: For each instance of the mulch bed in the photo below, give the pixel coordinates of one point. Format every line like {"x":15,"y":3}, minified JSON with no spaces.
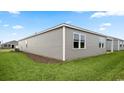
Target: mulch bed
{"x":43,"y":59}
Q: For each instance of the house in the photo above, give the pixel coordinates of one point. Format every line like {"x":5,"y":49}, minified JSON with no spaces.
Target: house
{"x":10,"y":44}
{"x":66,"y":42}
{"x":0,"y":44}
{"x":114,"y":44}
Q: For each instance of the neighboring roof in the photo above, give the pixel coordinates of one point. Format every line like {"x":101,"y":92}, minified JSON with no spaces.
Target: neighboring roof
{"x":70,"y":26}
{"x":111,"y":37}
{"x":44,"y":31}
{"x":14,"y":41}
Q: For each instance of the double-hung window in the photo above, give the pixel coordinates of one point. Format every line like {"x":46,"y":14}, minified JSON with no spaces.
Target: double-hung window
{"x":82,"y":41}
{"x":121,"y":43}
{"x":101,"y":43}
{"x":79,"y":40}
{"x":76,"y":40}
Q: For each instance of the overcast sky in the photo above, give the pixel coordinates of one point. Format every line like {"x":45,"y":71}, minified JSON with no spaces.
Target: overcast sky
{"x":15,"y":25}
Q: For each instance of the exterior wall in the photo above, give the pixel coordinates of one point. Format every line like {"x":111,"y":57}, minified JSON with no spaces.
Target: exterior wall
{"x":108,"y":45}
{"x":115,"y":45}
{"x":48,"y":44}
{"x":92,"y":45}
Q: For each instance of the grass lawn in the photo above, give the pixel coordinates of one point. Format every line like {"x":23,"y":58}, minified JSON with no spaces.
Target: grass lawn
{"x":17,"y":66}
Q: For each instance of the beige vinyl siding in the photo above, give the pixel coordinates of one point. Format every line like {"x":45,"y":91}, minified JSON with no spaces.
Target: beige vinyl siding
{"x":48,"y":44}
{"x":108,"y":45}
{"x":115,"y":45}
{"x":92,"y":45}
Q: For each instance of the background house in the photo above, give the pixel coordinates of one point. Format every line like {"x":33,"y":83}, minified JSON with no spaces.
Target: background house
{"x":0,"y":44}
{"x":114,"y":44}
{"x":10,"y":44}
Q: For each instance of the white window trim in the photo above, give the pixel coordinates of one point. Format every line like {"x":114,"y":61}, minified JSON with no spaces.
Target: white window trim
{"x":79,"y":40}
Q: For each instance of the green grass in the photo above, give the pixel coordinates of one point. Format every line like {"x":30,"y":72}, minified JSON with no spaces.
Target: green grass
{"x":17,"y":66}
{"x":6,"y":50}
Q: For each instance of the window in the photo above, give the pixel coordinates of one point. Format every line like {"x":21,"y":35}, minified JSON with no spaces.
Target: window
{"x":82,"y":41}
{"x":101,"y":43}
{"x":5,"y":45}
{"x":121,"y":44}
{"x":79,"y":40}
{"x":9,"y":45}
{"x":76,"y":40}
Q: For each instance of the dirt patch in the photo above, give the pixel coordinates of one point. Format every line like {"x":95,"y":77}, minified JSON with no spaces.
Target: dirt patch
{"x":43,"y":59}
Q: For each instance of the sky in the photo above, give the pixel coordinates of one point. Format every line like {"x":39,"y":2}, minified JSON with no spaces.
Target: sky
{"x":15,"y":25}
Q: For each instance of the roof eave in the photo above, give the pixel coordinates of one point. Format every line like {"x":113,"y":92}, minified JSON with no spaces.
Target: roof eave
{"x":70,"y":26}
